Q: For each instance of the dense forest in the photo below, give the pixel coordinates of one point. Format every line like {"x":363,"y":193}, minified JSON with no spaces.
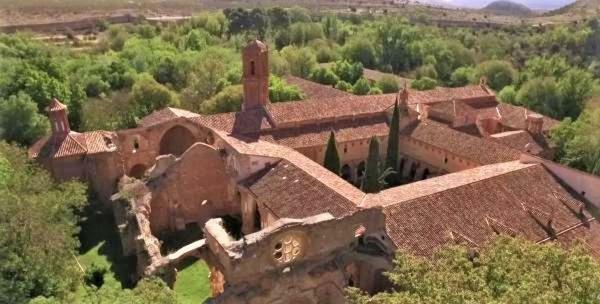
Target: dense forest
{"x":131,"y":70}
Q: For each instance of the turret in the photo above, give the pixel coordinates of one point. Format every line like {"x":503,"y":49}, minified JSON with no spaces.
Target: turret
{"x":255,"y":59}
{"x":57,"y":112}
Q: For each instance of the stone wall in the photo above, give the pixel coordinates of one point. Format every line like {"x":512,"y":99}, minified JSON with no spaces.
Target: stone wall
{"x":193,"y":189}
{"x":141,"y":146}
{"x":296,"y":260}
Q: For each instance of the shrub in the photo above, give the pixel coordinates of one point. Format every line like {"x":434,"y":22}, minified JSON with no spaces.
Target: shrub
{"x":388,"y":84}
{"x":361,"y":87}
{"x":424,"y":83}
{"x":324,"y":76}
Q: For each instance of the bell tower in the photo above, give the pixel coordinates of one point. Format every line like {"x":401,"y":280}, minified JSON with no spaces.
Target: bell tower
{"x":255,"y":57}
{"x":57,"y":112}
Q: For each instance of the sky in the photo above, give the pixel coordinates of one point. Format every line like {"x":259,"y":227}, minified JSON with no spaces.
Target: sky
{"x":533,"y":4}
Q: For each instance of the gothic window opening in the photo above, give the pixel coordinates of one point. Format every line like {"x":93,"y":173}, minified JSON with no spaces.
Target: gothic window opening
{"x":252,"y":68}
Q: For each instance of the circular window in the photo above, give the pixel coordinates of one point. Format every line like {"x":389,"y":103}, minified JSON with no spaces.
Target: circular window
{"x":288,"y":248}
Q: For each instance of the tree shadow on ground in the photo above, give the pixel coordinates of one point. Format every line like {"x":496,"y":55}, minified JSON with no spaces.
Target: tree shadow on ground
{"x":98,"y":228}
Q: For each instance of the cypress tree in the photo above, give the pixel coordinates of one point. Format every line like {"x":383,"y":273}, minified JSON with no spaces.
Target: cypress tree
{"x":391,"y":160}
{"x":332,"y":158}
{"x":371,"y":182}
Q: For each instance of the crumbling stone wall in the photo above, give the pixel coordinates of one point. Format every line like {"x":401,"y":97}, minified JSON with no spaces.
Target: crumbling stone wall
{"x":193,"y":189}
{"x":297,"y":261}
{"x":141,"y":146}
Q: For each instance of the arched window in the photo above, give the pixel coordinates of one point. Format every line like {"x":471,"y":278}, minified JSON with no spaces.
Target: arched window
{"x":252,"y":68}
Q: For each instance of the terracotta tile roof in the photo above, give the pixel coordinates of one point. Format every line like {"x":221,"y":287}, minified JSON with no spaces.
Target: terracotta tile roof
{"x":521,"y":140}
{"x":318,"y":134}
{"x":245,"y":122}
{"x":55,"y":105}
{"x":479,"y":150}
{"x":266,"y":149}
{"x":73,"y":144}
{"x":163,"y":115}
{"x":423,"y":224}
{"x":313,"y":90}
{"x":514,"y":117}
{"x":441,"y":183}
{"x":310,"y":111}
{"x":290,"y":192}
{"x":472,"y":92}
{"x":100,"y":142}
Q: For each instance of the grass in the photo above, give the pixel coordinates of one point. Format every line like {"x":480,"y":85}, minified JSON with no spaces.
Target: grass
{"x":101,"y":246}
{"x":192,"y":285}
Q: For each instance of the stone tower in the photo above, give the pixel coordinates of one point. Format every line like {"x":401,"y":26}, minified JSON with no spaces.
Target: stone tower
{"x":57,"y":112}
{"x":255,"y":57}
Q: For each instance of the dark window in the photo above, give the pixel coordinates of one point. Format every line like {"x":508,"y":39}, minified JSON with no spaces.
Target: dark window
{"x":252,"y":68}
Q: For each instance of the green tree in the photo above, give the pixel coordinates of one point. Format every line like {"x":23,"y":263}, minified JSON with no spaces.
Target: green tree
{"x":388,"y":84}
{"x":278,"y":17}
{"x":424,"y":84}
{"x":360,"y":50}
{"x":325,"y":76}
{"x":228,"y":100}
{"x":541,"y":95}
{"x":509,"y":270}
{"x":299,"y":14}
{"x":301,"y":60}
{"x":150,"y":95}
{"x":508,"y":95}
{"x":280,"y":91}
{"x":343,"y":86}
{"x":462,"y":77}
{"x":348,"y":72}
{"x":393,"y":148}
{"x":371,"y":183}
{"x":498,"y":73}
{"x":574,"y":88}
{"x":332,"y":157}
{"x":578,"y":142}
{"x":20,"y":121}
{"x":38,"y":223}
{"x":361,"y":87}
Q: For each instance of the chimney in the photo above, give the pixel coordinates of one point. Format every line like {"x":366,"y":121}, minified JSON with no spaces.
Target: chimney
{"x":534,"y":123}
{"x":255,"y":57}
{"x":57,"y":112}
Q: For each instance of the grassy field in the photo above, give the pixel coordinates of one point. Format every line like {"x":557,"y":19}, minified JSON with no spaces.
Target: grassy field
{"x":100,"y":245}
{"x":192,"y":285}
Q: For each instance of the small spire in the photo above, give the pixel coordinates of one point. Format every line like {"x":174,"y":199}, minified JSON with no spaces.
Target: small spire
{"x":55,"y":105}
{"x":483,"y":81}
{"x":403,"y":95}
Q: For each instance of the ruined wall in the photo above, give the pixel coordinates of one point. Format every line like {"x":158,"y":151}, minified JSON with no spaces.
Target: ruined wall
{"x":67,"y":168}
{"x":140,"y":147}
{"x":291,"y":260}
{"x":103,"y":173}
{"x":192,"y":190}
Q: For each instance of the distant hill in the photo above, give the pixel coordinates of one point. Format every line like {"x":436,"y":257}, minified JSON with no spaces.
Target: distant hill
{"x":505,"y":7}
{"x":539,"y":5}
{"x":579,"y":7}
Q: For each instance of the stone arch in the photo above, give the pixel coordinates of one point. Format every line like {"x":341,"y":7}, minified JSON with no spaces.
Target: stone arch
{"x":401,"y":166}
{"x":426,"y":174}
{"x":176,"y":140}
{"x":360,"y":171}
{"x":413,"y":170}
{"x":138,"y":171}
{"x":347,"y":173}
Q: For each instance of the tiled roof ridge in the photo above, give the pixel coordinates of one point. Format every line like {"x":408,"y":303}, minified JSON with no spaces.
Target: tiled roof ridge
{"x":568,"y":229}
{"x":294,"y":157}
{"x":525,"y":167}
